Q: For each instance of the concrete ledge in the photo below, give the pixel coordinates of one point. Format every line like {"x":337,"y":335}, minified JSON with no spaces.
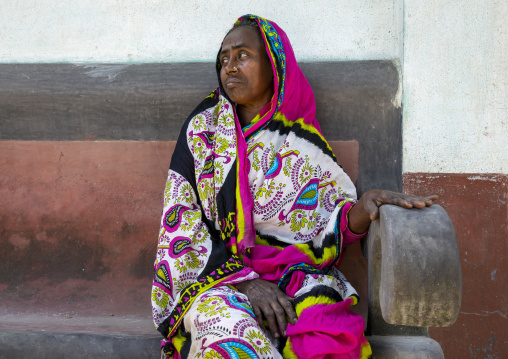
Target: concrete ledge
{"x":56,"y":345}
{"x":150,"y":102}
{"x":398,"y":347}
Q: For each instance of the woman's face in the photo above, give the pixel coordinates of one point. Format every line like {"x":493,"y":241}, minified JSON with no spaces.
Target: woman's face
{"x":251,"y":83}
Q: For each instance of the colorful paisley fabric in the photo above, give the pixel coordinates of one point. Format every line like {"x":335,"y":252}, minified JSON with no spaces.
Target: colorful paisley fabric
{"x":265,"y":201}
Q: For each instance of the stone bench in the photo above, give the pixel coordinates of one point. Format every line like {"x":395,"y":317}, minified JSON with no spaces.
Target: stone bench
{"x":84,"y":152}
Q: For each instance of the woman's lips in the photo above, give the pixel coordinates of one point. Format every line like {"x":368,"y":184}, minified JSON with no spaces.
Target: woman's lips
{"x":232,"y":82}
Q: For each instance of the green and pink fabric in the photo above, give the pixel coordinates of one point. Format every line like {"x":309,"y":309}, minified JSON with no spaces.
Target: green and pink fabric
{"x":265,"y":201}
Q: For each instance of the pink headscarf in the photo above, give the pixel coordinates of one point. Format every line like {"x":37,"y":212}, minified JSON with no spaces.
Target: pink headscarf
{"x":293,"y":96}
{"x":293,"y":99}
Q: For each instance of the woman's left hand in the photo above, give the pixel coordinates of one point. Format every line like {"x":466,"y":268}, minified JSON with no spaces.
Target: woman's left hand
{"x":367,"y":207}
{"x":268,"y":301}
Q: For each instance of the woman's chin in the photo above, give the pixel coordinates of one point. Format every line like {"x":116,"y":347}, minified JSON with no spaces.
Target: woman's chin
{"x":234,"y":97}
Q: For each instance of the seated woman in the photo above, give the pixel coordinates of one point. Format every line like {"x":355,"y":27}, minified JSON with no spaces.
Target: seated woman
{"x":256,"y":215}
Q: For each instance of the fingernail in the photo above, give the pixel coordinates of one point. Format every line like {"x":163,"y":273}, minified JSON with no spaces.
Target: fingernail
{"x":294,"y":320}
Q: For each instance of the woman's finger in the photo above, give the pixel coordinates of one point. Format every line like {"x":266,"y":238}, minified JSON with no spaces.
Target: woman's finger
{"x":429,"y":201}
{"x":272,"y":322}
{"x":280,"y":315}
{"x":287,"y":304}
{"x":259,"y":318}
{"x":370,"y":206}
{"x":402,"y":201}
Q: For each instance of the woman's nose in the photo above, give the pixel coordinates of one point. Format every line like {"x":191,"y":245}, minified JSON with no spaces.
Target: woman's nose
{"x":231,"y":66}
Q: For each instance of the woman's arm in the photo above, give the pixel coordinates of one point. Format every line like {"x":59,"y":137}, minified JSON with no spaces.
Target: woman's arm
{"x":366,"y":209}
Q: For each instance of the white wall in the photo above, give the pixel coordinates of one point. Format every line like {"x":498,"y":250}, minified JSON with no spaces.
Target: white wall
{"x":455,"y":86}
{"x":175,"y":30}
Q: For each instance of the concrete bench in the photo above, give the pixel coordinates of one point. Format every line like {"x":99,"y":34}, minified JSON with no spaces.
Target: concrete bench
{"x":84,"y":152}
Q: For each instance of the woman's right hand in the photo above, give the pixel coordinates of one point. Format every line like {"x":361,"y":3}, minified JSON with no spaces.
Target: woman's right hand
{"x":270,"y":302}
{"x":367,"y":207}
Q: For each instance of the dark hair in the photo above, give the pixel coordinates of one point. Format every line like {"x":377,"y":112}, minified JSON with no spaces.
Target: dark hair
{"x":246,"y":21}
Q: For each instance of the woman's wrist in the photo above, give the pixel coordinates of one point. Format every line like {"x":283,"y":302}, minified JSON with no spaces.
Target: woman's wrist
{"x":358,"y":218}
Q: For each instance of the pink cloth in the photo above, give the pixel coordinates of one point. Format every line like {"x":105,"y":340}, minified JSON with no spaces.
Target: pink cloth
{"x":327,"y":331}
{"x":298,"y":103}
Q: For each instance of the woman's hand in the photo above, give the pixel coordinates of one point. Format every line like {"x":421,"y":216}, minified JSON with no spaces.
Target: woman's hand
{"x":269,"y":301}
{"x":367,"y":208}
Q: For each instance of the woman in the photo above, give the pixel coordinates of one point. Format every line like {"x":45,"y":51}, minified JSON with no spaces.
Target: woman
{"x":256,"y":213}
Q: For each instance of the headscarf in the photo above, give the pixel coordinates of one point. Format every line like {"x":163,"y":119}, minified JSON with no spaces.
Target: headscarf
{"x":293,"y":96}
{"x":293,"y":100}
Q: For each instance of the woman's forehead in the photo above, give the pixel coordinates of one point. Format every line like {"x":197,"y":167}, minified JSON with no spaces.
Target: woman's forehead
{"x":242,"y":36}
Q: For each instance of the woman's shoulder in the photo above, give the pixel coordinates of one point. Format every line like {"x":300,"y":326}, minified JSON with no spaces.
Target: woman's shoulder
{"x":200,"y":116}
{"x":208,"y":103}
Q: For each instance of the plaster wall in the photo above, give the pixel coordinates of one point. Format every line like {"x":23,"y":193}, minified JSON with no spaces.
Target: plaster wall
{"x":162,"y":30}
{"x":455,"y":117}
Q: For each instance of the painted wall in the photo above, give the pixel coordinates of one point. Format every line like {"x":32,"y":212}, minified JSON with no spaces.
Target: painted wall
{"x":170,"y":30}
{"x":455,"y":86}
{"x":455,"y":144}
{"x":454,"y":55}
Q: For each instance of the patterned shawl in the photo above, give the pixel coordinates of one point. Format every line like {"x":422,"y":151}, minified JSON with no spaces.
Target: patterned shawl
{"x":262,"y":201}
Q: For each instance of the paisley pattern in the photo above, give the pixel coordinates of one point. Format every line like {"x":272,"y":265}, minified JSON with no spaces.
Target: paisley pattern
{"x":173,"y":217}
{"x":268,"y":202}
{"x":277,"y":164}
{"x":301,"y":197}
{"x":181,"y":245}
{"x":222,"y":322}
{"x":234,"y":349}
{"x":162,"y":278}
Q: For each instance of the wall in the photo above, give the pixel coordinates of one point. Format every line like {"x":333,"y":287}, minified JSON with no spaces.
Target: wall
{"x":162,"y":30}
{"x":453,"y":59}
{"x":455,"y":131}
{"x":456,"y":87}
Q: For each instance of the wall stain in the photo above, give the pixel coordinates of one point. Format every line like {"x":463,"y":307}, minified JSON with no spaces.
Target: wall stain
{"x":65,"y":255}
{"x":142,"y":266}
{"x":108,"y":72}
{"x":488,"y":350}
{"x":129,"y":229}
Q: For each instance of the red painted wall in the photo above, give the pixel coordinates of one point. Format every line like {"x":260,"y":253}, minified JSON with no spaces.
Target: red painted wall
{"x":78,"y":225}
{"x":478,"y":207}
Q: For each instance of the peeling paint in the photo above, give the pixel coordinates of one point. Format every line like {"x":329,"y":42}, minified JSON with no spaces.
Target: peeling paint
{"x":485,"y":178}
{"x":487,"y":313}
{"x":397,"y":99}
{"x":493,"y":274}
{"x":107,"y":71}
{"x":484,"y":350}
{"x":473,"y":264}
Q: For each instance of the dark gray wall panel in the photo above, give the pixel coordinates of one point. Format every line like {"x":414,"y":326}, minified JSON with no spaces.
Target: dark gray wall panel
{"x":149,"y":102}
{"x":102,"y":102}
{"x":354,"y":101}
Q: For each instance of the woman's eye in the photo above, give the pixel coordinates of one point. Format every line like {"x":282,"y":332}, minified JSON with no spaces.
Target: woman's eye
{"x":243,"y":54}
{"x":224,"y":60}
